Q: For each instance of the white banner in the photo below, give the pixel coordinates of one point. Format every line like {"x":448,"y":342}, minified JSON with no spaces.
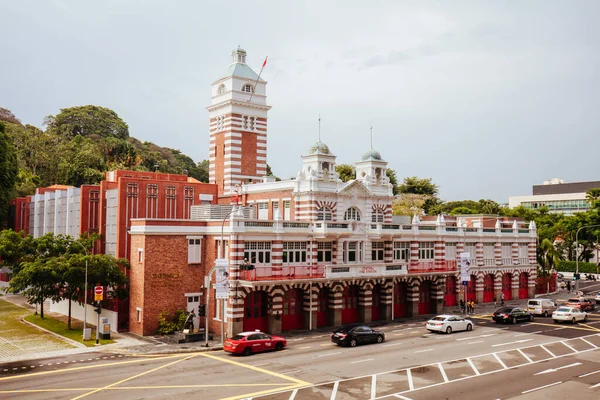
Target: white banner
{"x":465,"y":266}
{"x":222,"y":283}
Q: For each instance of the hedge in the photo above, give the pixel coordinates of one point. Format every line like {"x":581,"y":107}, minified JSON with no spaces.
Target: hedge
{"x":570,"y":266}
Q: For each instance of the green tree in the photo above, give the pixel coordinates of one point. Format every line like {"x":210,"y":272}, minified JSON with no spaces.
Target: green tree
{"x":592,"y":195}
{"x":409,"y":204}
{"x":548,"y":256}
{"x":417,"y":185}
{"x":347,"y":172}
{"x":203,"y":171}
{"x":462,"y":211}
{"x":8,"y":174}
{"x":270,"y":173}
{"x":87,"y":121}
{"x":393,"y":180}
{"x":15,"y":248}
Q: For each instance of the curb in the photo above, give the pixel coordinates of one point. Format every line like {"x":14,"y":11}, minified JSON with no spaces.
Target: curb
{"x":56,"y":335}
{"x":179,"y":351}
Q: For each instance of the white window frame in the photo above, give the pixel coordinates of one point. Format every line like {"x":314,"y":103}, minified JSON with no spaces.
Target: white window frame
{"x":287,"y":206}
{"x":262,"y":208}
{"x":352,"y":214}
{"x":450,"y":250}
{"x":324,"y":214}
{"x":377,"y":216}
{"x":294,"y":253}
{"x":426,"y":250}
{"x":194,"y":250}
{"x":248,"y":88}
{"x":402,"y":251}
{"x":139,"y":314}
{"x":258,"y":252}
{"x":377,"y":251}
{"x":218,"y":311}
{"x":141,"y":256}
{"x":324,"y":252}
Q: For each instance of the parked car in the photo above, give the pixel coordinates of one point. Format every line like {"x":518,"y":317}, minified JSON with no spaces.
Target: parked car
{"x":560,"y":276}
{"x":597,"y":298}
{"x":573,"y":314}
{"x":511,"y":314}
{"x":247,"y":343}
{"x":584,"y":303}
{"x":543,"y":307}
{"x":352,"y":335}
{"x":448,"y":324}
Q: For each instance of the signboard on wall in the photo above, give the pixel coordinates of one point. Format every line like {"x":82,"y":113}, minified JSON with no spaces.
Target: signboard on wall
{"x":222,"y":283}
{"x":465,"y":266}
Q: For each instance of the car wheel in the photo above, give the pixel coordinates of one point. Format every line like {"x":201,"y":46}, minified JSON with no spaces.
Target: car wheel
{"x":545,"y":314}
{"x":279,"y":346}
{"x":573,"y":320}
{"x":247,"y":352}
{"x":556,"y":321}
{"x":379,"y":339}
{"x":514,"y":320}
{"x":530,"y":318}
{"x":585,"y":319}
{"x":497,"y":321}
{"x":449,"y":330}
{"x":469,"y":327}
{"x":353,"y":343}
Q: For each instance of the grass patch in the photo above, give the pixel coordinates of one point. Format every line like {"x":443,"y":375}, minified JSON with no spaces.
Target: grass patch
{"x":61,"y":329}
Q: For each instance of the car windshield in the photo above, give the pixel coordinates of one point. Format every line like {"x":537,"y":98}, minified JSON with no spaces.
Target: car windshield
{"x":564,"y":309}
{"x":238,"y":337}
{"x":534,"y":303}
{"x":438,"y":318}
{"x":504,"y":310}
{"x":573,"y":301}
{"x":346,"y":328}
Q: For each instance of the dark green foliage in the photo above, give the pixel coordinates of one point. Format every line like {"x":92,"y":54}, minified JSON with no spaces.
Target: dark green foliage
{"x":584,"y":267}
{"x":168,"y":324}
{"x":8,"y":174}
{"x":87,"y":121}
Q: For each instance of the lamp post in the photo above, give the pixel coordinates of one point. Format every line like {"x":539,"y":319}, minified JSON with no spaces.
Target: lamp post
{"x":577,"y":248}
{"x":85,"y":288}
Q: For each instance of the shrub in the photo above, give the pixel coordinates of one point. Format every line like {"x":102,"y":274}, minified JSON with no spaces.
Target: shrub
{"x":570,"y":266}
{"x":167,"y":325}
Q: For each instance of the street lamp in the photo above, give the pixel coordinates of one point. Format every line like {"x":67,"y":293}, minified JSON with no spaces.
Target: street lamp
{"x":85,"y":288}
{"x":577,"y":248}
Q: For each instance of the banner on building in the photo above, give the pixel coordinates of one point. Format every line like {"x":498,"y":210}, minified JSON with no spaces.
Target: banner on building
{"x":222,"y":283}
{"x":465,"y":266}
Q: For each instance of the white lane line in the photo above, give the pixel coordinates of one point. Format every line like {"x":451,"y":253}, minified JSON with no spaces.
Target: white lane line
{"x":398,"y":334}
{"x":290,"y":372}
{"x":303,"y":348}
{"x":423,"y":351}
{"x":443,"y":372}
{"x":549,"y":352}
{"x":401,"y":397}
{"x":590,"y":343}
{"x":360,"y":361}
{"x":558,"y":368}
{"x":528,"y":333}
{"x":293,"y":396}
{"x":400,"y":330}
{"x":334,"y":391}
{"x":595,"y":386}
{"x":473,"y":366}
{"x":392,"y":344}
{"x":411,"y":384}
{"x":541,"y":387}
{"x":477,"y":341}
{"x":500,"y":361}
{"x":576,"y":351}
{"x":507,"y":343}
{"x":260,"y":365}
{"x":374,"y":386}
{"x":558,"y":329}
{"x":477,"y":337}
{"x":329,"y":354}
{"x":525,"y":355}
{"x":588,"y":374}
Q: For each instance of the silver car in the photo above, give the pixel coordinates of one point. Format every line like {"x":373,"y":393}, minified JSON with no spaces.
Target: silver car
{"x":573,"y":314}
{"x":448,"y":324}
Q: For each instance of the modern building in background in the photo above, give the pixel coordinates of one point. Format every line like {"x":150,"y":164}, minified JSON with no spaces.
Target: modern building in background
{"x":559,"y":196}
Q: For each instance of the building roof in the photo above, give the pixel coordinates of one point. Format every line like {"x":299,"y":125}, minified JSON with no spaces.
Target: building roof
{"x":565,"y":187}
{"x":319,"y":148}
{"x":240,"y":70}
{"x":372,"y":155}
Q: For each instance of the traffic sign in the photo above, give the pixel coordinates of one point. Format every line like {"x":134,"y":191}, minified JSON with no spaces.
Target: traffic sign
{"x":98,"y":293}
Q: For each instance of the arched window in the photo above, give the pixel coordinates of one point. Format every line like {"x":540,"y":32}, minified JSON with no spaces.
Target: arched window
{"x":248,"y":88}
{"x":324,"y":214}
{"x":352,"y":214}
{"x":222,"y":89}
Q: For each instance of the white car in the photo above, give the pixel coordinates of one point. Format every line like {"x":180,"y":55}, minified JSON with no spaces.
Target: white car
{"x":572,"y":314}
{"x":448,"y":324}
{"x":597,"y":298}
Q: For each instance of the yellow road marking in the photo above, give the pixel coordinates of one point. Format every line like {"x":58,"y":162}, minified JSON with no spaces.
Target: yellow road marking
{"x":568,"y":327}
{"x":247,"y":395}
{"x":139,"y":360}
{"x":143,"y":387}
{"x":305,"y":347}
{"x":134,"y":376}
{"x":325,"y":344}
{"x":591,"y":327}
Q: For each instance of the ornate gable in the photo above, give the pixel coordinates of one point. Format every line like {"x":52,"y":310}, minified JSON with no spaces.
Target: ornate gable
{"x":355,"y":189}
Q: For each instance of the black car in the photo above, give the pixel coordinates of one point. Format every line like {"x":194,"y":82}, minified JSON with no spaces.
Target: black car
{"x":512,"y":314}
{"x":351,"y":335}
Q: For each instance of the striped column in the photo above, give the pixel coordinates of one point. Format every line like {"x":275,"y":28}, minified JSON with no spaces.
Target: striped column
{"x":460,"y":248}
{"x":531,"y":253}
{"x":314,"y":292}
{"x":277,"y":304}
{"x":312,"y":256}
{"x":479,"y":287}
{"x":515,"y":253}
{"x":388,"y":252}
{"x":479,"y":254}
{"x":498,"y":253}
{"x":368,"y":247}
{"x":337,"y":248}
{"x":515,"y":284}
{"x":386,"y":293}
{"x":365,"y":298}
{"x":439,"y":254}
{"x":414,"y":254}
{"x":277,"y":258}
{"x":236,"y":257}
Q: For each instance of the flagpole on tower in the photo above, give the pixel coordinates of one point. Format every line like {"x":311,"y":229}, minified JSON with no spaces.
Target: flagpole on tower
{"x":256,"y":83}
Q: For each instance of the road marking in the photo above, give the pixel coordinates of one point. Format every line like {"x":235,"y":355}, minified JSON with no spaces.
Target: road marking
{"x":558,"y":368}
{"x":334,"y":391}
{"x":374,"y":386}
{"x":411,"y":384}
{"x":291,"y":372}
{"x":588,"y":374}
{"x":294,"y":393}
{"x":528,"y":333}
{"x":475,"y":342}
{"x":423,"y":351}
{"x":541,"y":387}
{"x":329,"y":354}
{"x":398,"y":334}
{"x":559,"y":329}
{"x":500,"y":361}
{"x":473,"y":366}
{"x":401,"y":397}
{"x":525,"y":355}
{"x":590,"y":343}
{"x":305,"y":347}
{"x":549,"y":352}
{"x":576,"y":351}
{"x":400,"y":330}
{"x":325,"y":344}
{"x":591,"y":327}
{"x":443,"y":372}
{"x":507,"y":343}
{"x":476,"y":337}
{"x":260,"y":365}
{"x":569,"y":327}
{"x":360,"y":361}
{"x":595,"y":386}
{"x":393,"y":344}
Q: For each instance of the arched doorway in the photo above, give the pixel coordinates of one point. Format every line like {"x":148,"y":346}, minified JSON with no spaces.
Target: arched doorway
{"x":293,"y":317}
{"x":507,"y":286}
{"x":323,"y":307}
{"x":350,"y":304}
{"x":450,"y":291}
{"x":376,"y":303}
{"x":523,"y":283}
{"x":400,"y":291}
{"x":488,"y":288}
{"x":255,"y":311}
{"x":471,"y":288}
{"x":425,"y":297}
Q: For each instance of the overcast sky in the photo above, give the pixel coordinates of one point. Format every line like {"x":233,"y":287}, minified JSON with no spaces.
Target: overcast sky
{"x":486,"y":98}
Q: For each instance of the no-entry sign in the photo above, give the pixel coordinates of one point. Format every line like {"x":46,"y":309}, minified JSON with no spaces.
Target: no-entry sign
{"x":98,"y":293}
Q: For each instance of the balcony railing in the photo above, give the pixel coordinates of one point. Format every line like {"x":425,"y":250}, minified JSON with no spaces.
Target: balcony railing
{"x":432,"y":266}
{"x":268,"y":273}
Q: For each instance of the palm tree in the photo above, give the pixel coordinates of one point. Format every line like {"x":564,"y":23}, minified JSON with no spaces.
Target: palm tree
{"x":592,"y":195}
{"x":548,"y":256}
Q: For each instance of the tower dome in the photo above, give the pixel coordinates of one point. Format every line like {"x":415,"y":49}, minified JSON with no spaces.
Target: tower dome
{"x":372,"y":155}
{"x":319,"y":148}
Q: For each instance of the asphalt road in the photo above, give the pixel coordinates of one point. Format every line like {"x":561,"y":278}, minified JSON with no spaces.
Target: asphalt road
{"x":409,"y":364}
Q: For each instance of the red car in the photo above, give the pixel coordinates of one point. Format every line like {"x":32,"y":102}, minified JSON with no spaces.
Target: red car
{"x":247,"y":343}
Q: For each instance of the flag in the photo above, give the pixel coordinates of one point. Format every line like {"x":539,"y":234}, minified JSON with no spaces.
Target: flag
{"x":264,"y":63}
